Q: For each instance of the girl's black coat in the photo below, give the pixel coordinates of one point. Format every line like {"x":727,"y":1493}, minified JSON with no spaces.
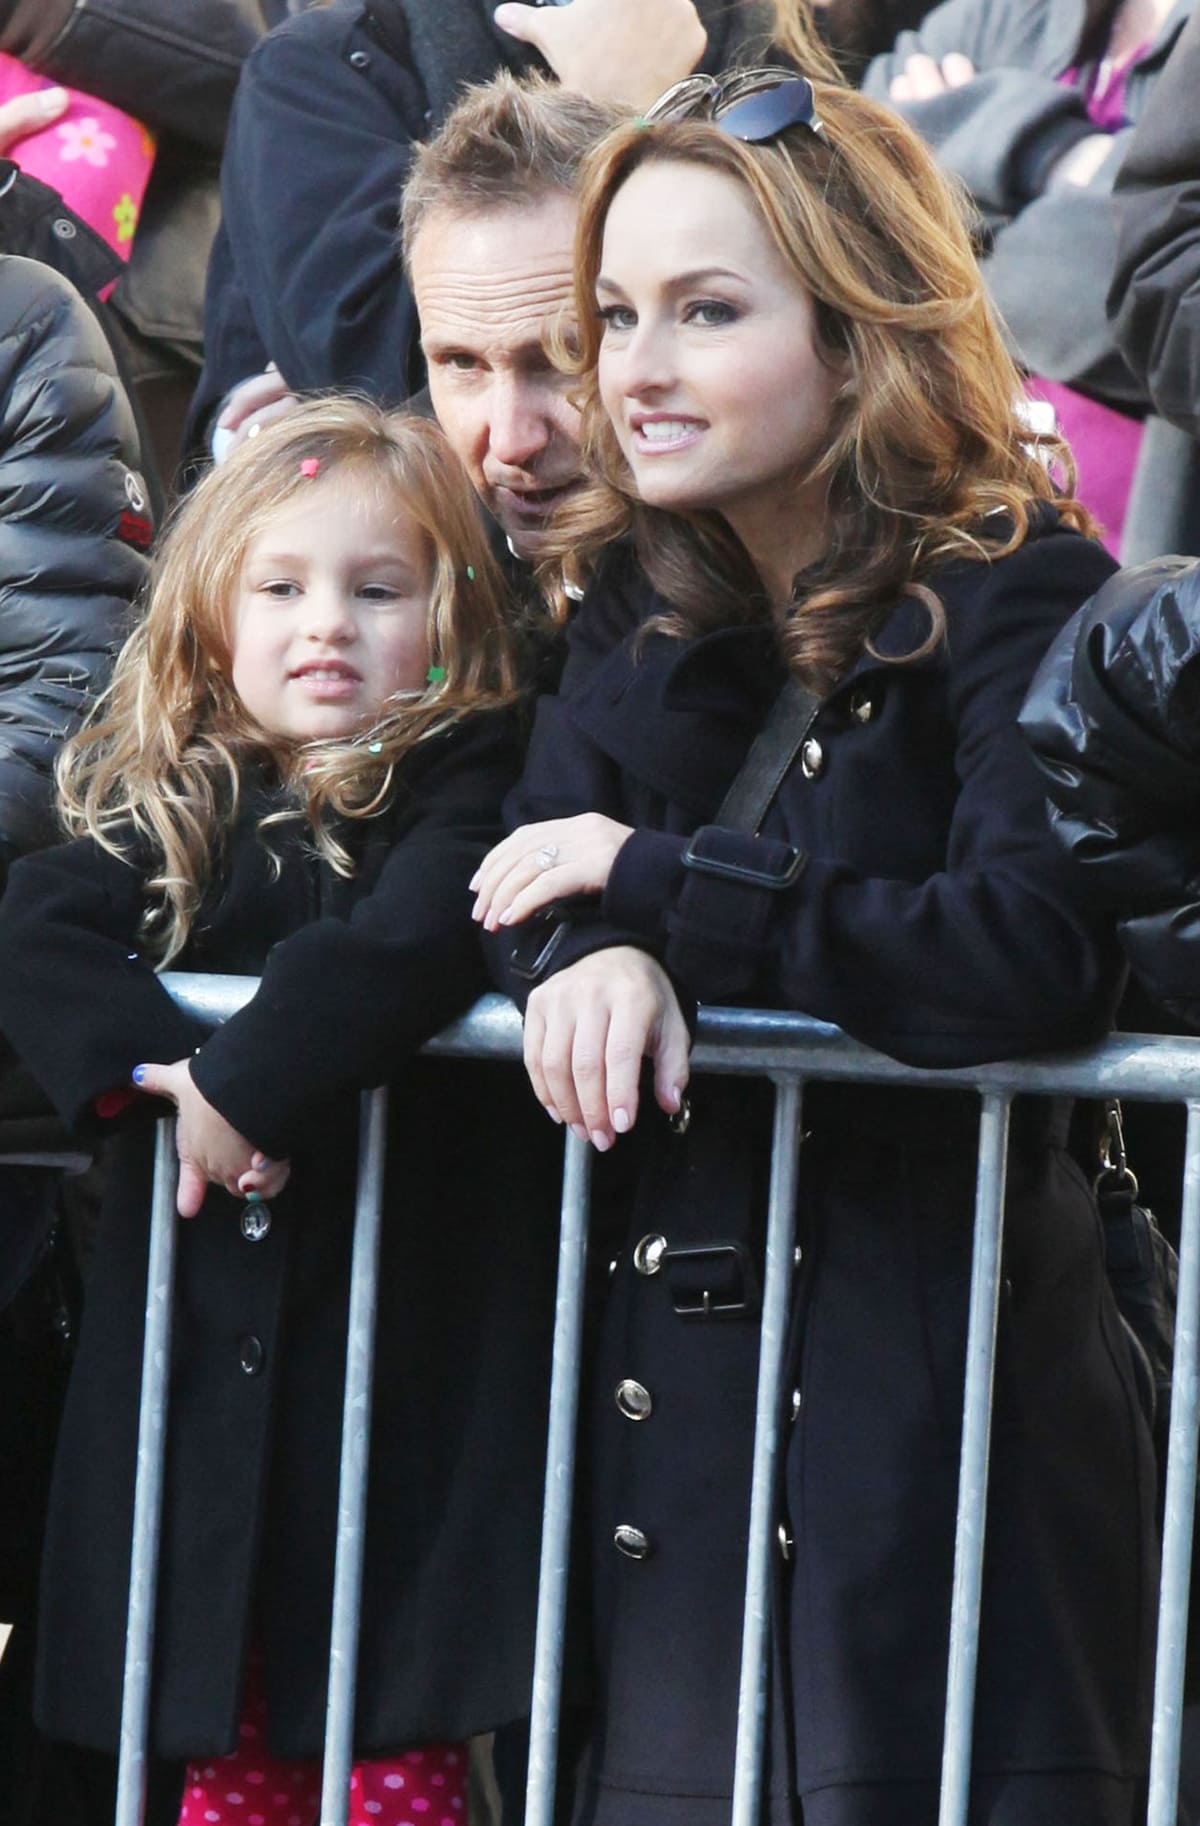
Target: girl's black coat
{"x":933,"y":917}
{"x":355,"y":975}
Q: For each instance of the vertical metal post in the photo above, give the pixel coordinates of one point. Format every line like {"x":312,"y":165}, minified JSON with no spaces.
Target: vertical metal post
{"x":973,"y":1466}
{"x":1181,"y":1501}
{"x":148,"y":1489}
{"x":756,"y":1619}
{"x":352,"y":1479}
{"x":560,"y":1480}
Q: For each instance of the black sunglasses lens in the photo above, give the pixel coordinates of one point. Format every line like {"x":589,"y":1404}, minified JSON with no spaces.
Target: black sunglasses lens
{"x":770,"y":112}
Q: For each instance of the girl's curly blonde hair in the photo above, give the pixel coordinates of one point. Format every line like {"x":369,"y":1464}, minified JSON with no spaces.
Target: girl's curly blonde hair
{"x":155,"y":773}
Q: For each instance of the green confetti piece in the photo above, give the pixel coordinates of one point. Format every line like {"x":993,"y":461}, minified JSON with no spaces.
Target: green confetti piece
{"x":436,"y":675}
{"x":470,"y":573}
{"x":374,"y":747}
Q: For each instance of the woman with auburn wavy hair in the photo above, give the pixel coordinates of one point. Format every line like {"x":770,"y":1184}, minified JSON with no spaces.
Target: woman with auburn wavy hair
{"x":818,"y":525}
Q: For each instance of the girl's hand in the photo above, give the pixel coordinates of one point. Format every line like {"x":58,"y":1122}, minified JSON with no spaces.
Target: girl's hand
{"x":612,"y":50}
{"x":211,"y":1152}
{"x":544,"y":862}
{"x":587,"y":1030}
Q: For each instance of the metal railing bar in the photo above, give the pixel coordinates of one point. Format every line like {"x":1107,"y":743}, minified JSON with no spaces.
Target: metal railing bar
{"x":973,"y":1469}
{"x":148,"y":1488}
{"x":560,"y":1481}
{"x":1180,"y":1502}
{"x":338,"y":1760}
{"x":750,"y":1752}
{"x":750,"y":1042}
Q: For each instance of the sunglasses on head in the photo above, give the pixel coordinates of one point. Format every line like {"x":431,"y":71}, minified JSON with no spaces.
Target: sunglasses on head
{"x":751,"y":105}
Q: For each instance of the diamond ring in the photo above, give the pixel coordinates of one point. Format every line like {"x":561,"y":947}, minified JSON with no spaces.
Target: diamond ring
{"x":547,"y":856}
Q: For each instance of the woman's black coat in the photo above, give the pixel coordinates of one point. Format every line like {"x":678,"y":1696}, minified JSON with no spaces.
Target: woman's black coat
{"x":906,"y":887}
{"x":1113,"y":719}
{"x":355,"y":975}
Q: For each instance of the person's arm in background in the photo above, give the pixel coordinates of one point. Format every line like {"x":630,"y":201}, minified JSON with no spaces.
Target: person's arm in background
{"x":974,"y":85}
{"x":173,"y":67}
{"x":73,"y":532}
{"x":1039,"y":172}
{"x":1155,"y":295}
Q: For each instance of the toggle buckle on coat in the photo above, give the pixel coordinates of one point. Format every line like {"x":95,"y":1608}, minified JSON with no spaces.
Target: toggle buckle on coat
{"x":712,"y":1280}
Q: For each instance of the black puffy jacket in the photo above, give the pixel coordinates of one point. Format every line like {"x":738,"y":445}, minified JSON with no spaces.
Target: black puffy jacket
{"x":1113,"y":718}
{"x":74,"y":525}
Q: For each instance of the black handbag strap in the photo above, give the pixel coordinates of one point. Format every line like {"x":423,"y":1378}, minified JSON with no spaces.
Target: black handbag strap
{"x":771,"y":755}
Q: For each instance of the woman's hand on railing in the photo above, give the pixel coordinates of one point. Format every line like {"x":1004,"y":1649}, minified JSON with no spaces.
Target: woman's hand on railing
{"x":211,"y":1152}
{"x":587,"y":1030}
{"x":542,"y":863}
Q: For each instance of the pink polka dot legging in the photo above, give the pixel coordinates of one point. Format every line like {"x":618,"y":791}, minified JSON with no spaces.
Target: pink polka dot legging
{"x":253,"y":1788}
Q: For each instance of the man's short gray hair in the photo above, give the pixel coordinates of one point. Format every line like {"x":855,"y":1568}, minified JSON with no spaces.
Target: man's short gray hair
{"x":504,"y":143}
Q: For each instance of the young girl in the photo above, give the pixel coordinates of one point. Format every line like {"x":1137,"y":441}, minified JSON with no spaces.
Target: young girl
{"x":809,"y":466}
{"x":295,"y":771}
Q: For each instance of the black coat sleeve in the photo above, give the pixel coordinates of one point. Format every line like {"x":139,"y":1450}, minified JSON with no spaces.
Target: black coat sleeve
{"x":77,"y":1002}
{"x":72,"y":519}
{"x":1113,"y":719}
{"x":1155,"y":296}
{"x":317,"y":155}
{"x":174,"y":67}
{"x":343,"y":1001}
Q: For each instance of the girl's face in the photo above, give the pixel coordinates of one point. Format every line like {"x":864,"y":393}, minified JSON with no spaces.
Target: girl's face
{"x":708,"y":365}
{"x":330,"y":613}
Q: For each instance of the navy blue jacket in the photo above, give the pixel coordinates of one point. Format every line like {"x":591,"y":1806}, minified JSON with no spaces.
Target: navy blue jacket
{"x":907,"y":887}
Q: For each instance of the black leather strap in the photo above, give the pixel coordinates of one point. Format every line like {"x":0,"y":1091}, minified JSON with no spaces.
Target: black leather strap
{"x":771,"y":755}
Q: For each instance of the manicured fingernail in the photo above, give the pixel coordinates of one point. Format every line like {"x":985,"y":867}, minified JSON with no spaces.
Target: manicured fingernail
{"x":139,"y":1073}
{"x":600,"y":1141}
{"x":579,"y":1132}
{"x":52,"y":101}
{"x":477,"y":912}
{"x":676,"y":1096}
{"x":621,"y":1121}
{"x":553,"y":1114}
{"x":474,"y":881}
{"x":506,"y":916}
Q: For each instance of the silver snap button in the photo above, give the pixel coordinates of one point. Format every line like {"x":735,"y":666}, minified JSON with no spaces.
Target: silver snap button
{"x":797,"y":1256}
{"x":631,"y":1542}
{"x":360,"y":60}
{"x":251,"y":1355}
{"x":681,"y":1121}
{"x":797,"y":1403}
{"x":647,"y":1257}
{"x":256,"y":1222}
{"x":64,"y":228}
{"x":862,"y":706}
{"x":634,"y":1400}
{"x":812,"y":758}
{"x":787,"y":1545}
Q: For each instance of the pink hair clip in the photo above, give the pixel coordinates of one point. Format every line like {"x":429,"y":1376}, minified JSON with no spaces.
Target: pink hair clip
{"x":310,"y":466}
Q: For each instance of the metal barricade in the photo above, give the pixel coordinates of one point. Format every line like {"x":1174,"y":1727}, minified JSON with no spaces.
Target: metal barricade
{"x":790,"y":1050}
